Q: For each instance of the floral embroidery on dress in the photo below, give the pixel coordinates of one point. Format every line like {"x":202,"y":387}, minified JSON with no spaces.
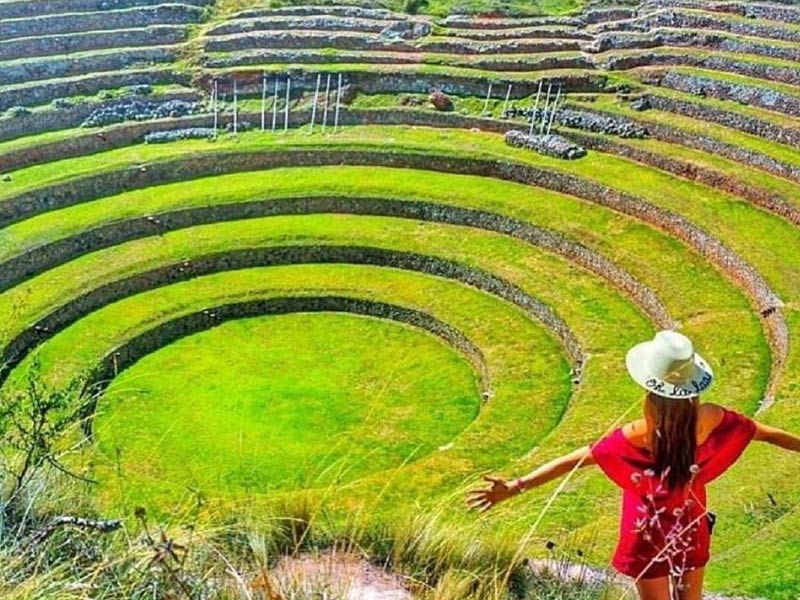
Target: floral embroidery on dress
{"x":672,"y":540}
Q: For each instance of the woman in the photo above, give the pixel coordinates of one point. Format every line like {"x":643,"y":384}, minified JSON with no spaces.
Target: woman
{"x":663,"y":463}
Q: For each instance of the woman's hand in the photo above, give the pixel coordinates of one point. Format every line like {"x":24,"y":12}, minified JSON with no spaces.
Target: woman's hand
{"x":484,"y":499}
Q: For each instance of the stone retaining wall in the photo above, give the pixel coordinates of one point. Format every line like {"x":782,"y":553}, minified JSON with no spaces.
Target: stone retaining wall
{"x":289,"y":56}
{"x":52,"y":68}
{"x":748,"y":94}
{"x":727,"y":261}
{"x":751,"y":10}
{"x":164,"y":14}
{"x":713,"y":146}
{"x":27,"y":48}
{"x":132,"y":132}
{"x":100,"y":185}
{"x":517,"y":46}
{"x":376,"y":82}
{"x":603,"y":15}
{"x":493,"y":35}
{"x":350,"y":41}
{"x":326,"y":23}
{"x":50,"y":255}
{"x":745,"y":123}
{"x":772,"y":13}
{"x":94,"y":299}
{"x":696,"y":39}
{"x":467,"y":22}
{"x":679,"y":19}
{"x":28,"y":8}
{"x":487,"y":63}
{"x":302,"y":11}
{"x":41,"y":121}
{"x":136,"y":348}
{"x":47,"y":91}
{"x":760,"y":196}
{"x":715,"y":63}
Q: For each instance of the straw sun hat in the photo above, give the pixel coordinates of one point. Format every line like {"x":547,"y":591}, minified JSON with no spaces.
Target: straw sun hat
{"x":668,"y":366}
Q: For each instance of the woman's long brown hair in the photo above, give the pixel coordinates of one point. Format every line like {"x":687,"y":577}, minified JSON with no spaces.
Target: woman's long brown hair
{"x":674,"y":437}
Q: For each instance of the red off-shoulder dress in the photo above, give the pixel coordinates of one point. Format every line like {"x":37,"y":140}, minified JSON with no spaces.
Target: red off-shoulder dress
{"x":662,"y":531}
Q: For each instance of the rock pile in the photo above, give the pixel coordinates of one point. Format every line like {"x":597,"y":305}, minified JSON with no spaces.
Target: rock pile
{"x":18,"y":111}
{"x":139,"y":110}
{"x":173,"y":135}
{"x":440,"y":101}
{"x":550,"y":145}
{"x":608,"y":124}
{"x":406,"y":30}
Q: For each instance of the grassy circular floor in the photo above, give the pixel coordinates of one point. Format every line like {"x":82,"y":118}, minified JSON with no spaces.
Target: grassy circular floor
{"x":280,"y":402}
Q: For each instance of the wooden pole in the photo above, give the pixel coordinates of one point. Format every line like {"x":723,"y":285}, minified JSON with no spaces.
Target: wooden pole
{"x":264,"y":101}
{"x":535,"y":107}
{"x":288,"y":98}
{"x":546,"y":104}
{"x":486,"y":102}
{"x":314,"y":106}
{"x":275,"y":104}
{"x":508,"y":97}
{"x":216,"y":107}
{"x":235,"y":108}
{"x":327,"y":101}
{"x":338,"y":103}
{"x":553,"y":110}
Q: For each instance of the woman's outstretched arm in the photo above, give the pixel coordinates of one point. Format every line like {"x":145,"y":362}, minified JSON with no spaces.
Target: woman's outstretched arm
{"x":500,"y":490}
{"x":776,"y":437}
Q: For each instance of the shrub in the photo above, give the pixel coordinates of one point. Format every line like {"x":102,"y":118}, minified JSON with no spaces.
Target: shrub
{"x":412,"y":7}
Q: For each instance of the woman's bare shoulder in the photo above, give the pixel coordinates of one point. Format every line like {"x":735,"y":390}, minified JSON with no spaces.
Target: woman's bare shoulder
{"x":710,"y":413}
{"x":636,"y":432}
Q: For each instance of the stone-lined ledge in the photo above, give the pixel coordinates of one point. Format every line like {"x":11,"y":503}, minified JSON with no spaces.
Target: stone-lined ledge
{"x":752,"y":10}
{"x":677,"y":18}
{"x":121,"y":136}
{"x":359,"y":12}
{"x":346,"y":41}
{"x":728,"y":262}
{"x":70,"y":66}
{"x":84,"y":189}
{"x":762,"y":197}
{"x":762,"y":97}
{"x":470,"y":22}
{"x":54,"y":253}
{"x":16,"y":9}
{"x":675,"y":135}
{"x":129,"y":352}
{"x":70,"y":43}
{"x":49,"y":255}
{"x":310,"y":57}
{"x":376,"y":82}
{"x":493,"y":35}
{"x":588,"y":17}
{"x":57,"y":119}
{"x":788,"y":75}
{"x":307,"y":22}
{"x":696,"y":39}
{"x":76,"y":308}
{"x":126,"y":18}
{"x":40,"y":93}
{"x":745,"y":123}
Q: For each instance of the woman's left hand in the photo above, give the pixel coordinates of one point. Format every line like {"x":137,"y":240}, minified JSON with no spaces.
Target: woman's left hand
{"x":485,"y":498}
